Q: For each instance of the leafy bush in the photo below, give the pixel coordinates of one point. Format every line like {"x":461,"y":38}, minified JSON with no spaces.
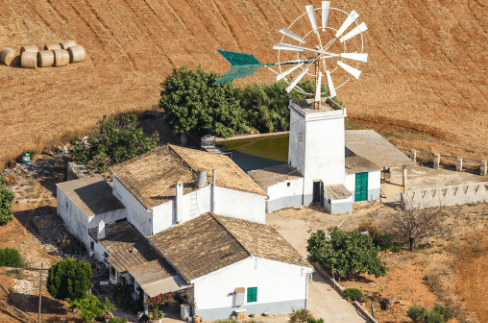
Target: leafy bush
{"x":300,"y":316}
{"x":438,"y":315}
{"x":144,"y":318}
{"x":192,"y":104}
{"x":6,"y":198}
{"x":346,"y":253}
{"x":11,"y":258}
{"x":91,"y":307}
{"x":69,"y":279}
{"x":118,"y":320}
{"x":123,"y":298}
{"x":353,"y":294}
{"x":312,"y":320}
{"x":112,"y":142}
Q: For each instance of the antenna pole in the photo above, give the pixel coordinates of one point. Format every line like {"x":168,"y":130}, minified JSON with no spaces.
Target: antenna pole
{"x":316,"y":104}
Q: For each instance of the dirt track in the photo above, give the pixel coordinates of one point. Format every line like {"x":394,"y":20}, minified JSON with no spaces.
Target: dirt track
{"x":427,"y":62}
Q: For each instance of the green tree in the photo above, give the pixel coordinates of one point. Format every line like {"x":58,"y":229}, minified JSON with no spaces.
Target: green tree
{"x":192,"y":103}
{"x":69,"y":279}
{"x":112,"y":142}
{"x":91,"y":307}
{"x":6,"y":198}
{"x":11,"y":258}
{"x":346,"y":253}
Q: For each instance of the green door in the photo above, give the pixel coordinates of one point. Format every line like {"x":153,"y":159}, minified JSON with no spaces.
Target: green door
{"x":361,"y":187}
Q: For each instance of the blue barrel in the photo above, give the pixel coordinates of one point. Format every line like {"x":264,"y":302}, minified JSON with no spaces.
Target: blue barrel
{"x":26,"y":158}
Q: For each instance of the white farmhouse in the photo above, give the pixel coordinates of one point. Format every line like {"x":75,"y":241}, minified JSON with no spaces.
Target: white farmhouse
{"x":235,"y":266}
{"x":327,"y":164}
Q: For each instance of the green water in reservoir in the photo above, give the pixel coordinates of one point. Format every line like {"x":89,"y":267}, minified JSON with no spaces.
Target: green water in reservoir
{"x":256,"y":153}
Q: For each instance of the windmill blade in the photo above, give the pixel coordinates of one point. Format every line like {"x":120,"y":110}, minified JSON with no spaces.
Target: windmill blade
{"x":332,"y":90}
{"x":288,"y":33}
{"x":237,"y":59}
{"x":311,"y":17}
{"x":318,"y":87}
{"x":293,"y":47}
{"x":285,"y":73}
{"x":350,"y":19}
{"x":242,"y":65}
{"x":356,"y":57}
{"x":237,"y":72}
{"x":296,"y":80}
{"x":356,"y":31}
{"x":325,"y":13}
{"x":351,"y":70}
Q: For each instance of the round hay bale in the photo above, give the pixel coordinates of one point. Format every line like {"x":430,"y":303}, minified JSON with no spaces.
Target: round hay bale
{"x":76,"y":54}
{"x":52,"y":46}
{"x":45,"y":58}
{"x":67,"y":43}
{"x":29,"y":48}
{"x":8,"y":56}
{"x":28,"y":60}
{"x":61,"y":57}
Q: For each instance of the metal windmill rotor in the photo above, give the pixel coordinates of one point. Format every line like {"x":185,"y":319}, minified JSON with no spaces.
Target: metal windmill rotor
{"x":318,"y":60}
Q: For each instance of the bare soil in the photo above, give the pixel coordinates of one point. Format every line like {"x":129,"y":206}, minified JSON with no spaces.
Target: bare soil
{"x":426,"y":69}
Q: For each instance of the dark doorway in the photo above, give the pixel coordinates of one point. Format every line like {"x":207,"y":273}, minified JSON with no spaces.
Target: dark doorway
{"x":316,"y":192}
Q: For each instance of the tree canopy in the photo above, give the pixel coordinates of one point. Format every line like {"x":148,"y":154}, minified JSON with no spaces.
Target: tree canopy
{"x":112,"y":142}
{"x":346,"y":253}
{"x":69,"y":279}
{"x":192,"y":104}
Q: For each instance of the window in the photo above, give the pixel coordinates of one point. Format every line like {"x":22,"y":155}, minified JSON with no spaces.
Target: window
{"x":113,"y":271}
{"x":252,"y":294}
{"x":288,"y":184}
{"x":92,"y":245}
{"x":66,"y":204}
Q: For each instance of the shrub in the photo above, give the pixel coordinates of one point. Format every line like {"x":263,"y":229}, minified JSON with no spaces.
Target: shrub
{"x":11,"y":258}
{"x":123,"y":298}
{"x":144,"y":318}
{"x":118,"y":320}
{"x":438,"y":315}
{"x":416,"y":313}
{"x":353,"y":294}
{"x":6,"y":198}
{"x":69,"y":279}
{"x":91,"y":307}
{"x":300,"y":316}
{"x":445,"y":312}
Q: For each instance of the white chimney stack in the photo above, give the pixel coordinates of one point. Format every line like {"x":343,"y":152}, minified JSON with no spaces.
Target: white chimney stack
{"x":201,"y":178}
{"x":179,"y":202}
{"x":101,"y":230}
{"x":212,"y":207}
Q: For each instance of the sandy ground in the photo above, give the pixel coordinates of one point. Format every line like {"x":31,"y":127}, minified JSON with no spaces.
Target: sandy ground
{"x":426,"y":65}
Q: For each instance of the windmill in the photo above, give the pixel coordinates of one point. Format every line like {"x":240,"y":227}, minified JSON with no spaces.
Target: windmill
{"x":319,"y":60}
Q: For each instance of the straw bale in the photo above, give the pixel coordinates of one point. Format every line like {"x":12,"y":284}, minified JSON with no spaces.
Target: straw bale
{"x":29,"y":48}
{"x":28,"y":60}
{"x":76,"y":54}
{"x":45,"y":58}
{"x":9,"y":56}
{"x":67,"y":43}
{"x":52,"y":46}
{"x":61,"y":57}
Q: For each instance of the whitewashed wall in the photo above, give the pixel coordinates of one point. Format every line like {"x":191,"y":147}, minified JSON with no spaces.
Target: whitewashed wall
{"x":280,"y":286}
{"x":136,"y":212}
{"x":350,"y":182}
{"x":238,"y":204}
{"x":374,"y":184}
{"x":281,"y":195}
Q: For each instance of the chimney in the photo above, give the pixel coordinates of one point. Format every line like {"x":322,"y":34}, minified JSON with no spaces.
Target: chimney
{"x":201,"y":178}
{"x":101,"y":230}
{"x":212,"y":203}
{"x":179,"y":201}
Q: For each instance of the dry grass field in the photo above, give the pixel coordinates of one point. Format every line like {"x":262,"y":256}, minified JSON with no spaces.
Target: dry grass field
{"x":426,"y":70}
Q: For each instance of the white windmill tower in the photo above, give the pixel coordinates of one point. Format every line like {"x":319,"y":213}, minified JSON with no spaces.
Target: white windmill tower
{"x":324,"y":53}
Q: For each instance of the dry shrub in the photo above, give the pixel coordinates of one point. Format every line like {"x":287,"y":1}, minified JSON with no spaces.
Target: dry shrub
{"x":10,"y":180}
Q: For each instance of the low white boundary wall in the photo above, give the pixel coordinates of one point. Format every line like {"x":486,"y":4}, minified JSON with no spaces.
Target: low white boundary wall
{"x":446,"y":196}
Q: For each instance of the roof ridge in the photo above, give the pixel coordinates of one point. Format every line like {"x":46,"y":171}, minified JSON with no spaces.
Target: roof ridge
{"x":182,"y":159}
{"x":231,"y":234}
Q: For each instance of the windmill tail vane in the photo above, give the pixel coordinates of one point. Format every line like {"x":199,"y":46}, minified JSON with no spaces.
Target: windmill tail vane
{"x":244,"y":65}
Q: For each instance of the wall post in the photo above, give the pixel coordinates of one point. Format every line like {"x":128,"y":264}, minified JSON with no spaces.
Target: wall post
{"x":404,"y":178}
{"x":483,"y":168}
{"x":413,"y":155}
{"x":459,"y":164}
{"x":437,"y":161}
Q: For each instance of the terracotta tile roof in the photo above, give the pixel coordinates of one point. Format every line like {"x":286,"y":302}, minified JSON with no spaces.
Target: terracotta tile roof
{"x":337,"y":191}
{"x":240,"y":289}
{"x":152,"y":177}
{"x":372,"y":146}
{"x":270,"y":176}
{"x":261,"y":240}
{"x":92,"y":195}
{"x":126,"y":245}
{"x":211,"y":242}
{"x":199,"y":246}
{"x":358,"y":164}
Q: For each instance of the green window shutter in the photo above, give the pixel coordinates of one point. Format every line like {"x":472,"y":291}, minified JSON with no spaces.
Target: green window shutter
{"x":252,"y":294}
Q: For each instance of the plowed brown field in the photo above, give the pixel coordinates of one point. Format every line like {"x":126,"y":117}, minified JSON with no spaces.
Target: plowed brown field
{"x":427,"y":65}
